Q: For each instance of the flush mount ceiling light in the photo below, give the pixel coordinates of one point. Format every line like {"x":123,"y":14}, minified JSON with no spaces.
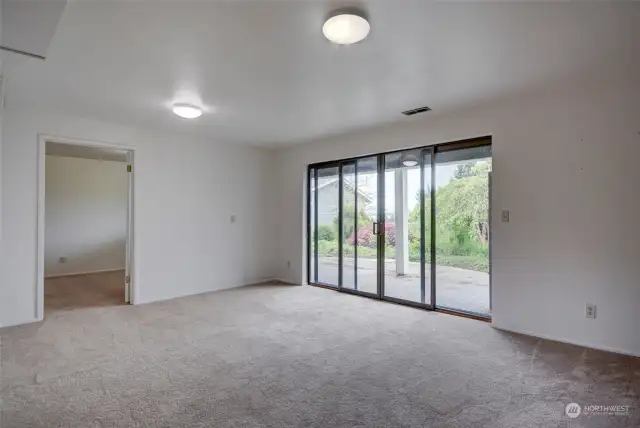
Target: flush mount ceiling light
{"x":346,"y":28}
{"x":187,"y":111}
{"x":410,"y":160}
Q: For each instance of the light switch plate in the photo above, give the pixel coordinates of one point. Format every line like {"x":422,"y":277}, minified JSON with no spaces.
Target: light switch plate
{"x":505,"y":216}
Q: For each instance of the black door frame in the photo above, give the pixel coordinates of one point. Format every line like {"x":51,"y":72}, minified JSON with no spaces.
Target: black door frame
{"x":355,"y":290}
{"x":429,"y":150}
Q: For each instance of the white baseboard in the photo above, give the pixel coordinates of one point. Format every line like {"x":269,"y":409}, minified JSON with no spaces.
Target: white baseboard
{"x":259,"y":282}
{"x":271,"y":281}
{"x":285,"y":281}
{"x":569,"y":341}
{"x":15,"y":323}
{"x":83,"y":273}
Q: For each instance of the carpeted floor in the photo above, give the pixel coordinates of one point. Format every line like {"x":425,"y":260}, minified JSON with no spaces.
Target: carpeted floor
{"x":83,"y":291}
{"x":286,"y":356}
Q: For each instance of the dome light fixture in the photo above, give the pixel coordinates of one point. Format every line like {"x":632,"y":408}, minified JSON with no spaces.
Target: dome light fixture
{"x":187,"y":111}
{"x":346,"y":28}
{"x":410,"y":161}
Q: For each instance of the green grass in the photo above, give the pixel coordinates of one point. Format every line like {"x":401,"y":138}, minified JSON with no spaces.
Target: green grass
{"x":330,"y":249}
{"x":478,"y":262}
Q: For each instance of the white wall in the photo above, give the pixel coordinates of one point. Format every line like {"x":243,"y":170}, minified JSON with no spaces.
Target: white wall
{"x":566,"y":162}
{"x":185,"y":191}
{"x":2,"y":83}
{"x":85,"y":215}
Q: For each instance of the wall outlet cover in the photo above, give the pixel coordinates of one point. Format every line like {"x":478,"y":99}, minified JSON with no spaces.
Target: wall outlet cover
{"x":591,"y":311}
{"x":62,"y":260}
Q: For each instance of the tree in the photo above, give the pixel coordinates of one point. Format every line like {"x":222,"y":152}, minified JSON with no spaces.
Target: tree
{"x":348,"y":221}
{"x":471,"y":170}
{"x":427,"y":193}
{"x":462,"y":208}
{"x":481,"y":168}
{"x":463,"y":170}
{"x":464,"y":204}
{"x":326,"y":233}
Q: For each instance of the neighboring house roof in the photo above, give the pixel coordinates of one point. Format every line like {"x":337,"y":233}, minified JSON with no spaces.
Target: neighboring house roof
{"x":347,"y":184}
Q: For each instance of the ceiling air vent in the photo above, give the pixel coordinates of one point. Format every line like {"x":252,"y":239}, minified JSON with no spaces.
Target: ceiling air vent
{"x":416,"y":111}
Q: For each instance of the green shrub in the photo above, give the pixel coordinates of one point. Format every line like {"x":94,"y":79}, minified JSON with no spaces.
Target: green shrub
{"x":328,"y":248}
{"x":348,"y":221}
{"x":414,"y":251}
{"x":389,"y":252}
{"x":326,"y":233}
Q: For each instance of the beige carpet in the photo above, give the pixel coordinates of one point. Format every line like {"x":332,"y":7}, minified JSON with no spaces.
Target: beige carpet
{"x":284,"y":356}
{"x":83,"y":291}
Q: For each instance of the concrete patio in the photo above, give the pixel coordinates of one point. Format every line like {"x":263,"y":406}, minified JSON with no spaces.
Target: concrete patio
{"x":460,"y":289}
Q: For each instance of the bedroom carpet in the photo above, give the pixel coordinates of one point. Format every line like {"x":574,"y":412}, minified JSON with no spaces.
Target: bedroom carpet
{"x":287,"y":356}
{"x":83,"y":291}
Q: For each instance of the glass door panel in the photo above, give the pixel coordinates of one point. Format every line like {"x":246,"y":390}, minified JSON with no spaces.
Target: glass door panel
{"x":462,"y":230}
{"x":364,"y":237}
{"x":312,"y":275}
{"x":327,"y":197}
{"x":427,"y":236}
{"x":349,"y":225}
{"x":403,"y":240}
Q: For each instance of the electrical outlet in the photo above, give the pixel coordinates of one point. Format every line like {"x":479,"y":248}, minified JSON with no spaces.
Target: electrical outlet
{"x":288,"y":264}
{"x":591,"y":311}
{"x":505,"y":216}
{"x":62,"y":260}
{"x":233,"y":218}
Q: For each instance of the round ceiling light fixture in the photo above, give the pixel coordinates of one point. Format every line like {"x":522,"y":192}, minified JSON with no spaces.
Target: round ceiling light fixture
{"x":410,"y":160}
{"x":346,"y":28}
{"x":187,"y":111}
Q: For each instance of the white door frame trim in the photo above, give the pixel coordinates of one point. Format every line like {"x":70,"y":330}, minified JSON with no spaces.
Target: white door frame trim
{"x":43,"y":139}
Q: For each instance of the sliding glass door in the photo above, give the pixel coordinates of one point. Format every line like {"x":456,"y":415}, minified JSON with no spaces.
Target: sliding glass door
{"x":462,"y":229}
{"x":325,"y":203}
{"x":343,"y":225}
{"x":407,"y":276}
{"x":410,"y":226}
{"x":359,"y":238}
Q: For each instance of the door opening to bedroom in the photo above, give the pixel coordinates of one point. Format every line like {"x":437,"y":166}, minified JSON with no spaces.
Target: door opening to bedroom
{"x":87,"y":211}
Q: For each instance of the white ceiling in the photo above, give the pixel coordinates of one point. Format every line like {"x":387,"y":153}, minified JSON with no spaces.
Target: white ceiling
{"x":29,"y":25}
{"x":265,"y":75}
{"x":85,"y":152}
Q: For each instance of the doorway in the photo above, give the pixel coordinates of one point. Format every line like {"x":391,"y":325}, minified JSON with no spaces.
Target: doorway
{"x":408,"y":226}
{"x":85,"y":225}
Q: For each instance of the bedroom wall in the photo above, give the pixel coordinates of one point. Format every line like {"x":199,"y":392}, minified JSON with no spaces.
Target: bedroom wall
{"x":2,"y":83}
{"x":85,"y":215}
